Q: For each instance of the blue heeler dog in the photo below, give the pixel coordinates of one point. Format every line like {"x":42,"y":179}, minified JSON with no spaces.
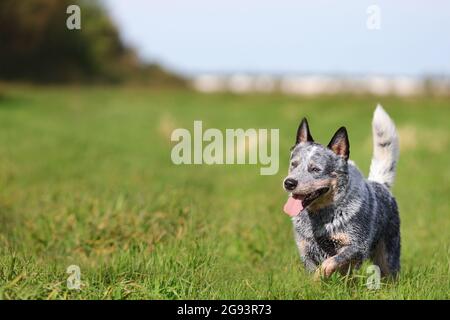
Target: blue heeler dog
{"x":340,"y":218}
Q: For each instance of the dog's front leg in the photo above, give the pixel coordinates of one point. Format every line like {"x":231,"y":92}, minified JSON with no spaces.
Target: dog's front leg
{"x":349,"y":256}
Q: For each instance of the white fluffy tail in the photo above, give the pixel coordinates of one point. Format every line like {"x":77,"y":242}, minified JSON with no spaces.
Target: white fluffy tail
{"x":385,"y":148}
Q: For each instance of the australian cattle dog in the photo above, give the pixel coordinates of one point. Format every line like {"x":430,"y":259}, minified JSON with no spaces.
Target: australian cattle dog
{"x":340,"y":218}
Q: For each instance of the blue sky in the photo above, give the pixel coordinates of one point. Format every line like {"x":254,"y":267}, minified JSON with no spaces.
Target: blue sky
{"x":278,"y":36}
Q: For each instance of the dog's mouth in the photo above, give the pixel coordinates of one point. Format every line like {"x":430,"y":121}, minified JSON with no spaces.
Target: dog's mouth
{"x":307,"y":199}
{"x":297,"y":202}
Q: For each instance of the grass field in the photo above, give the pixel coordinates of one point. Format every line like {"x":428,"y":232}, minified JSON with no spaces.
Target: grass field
{"x":86,"y":179}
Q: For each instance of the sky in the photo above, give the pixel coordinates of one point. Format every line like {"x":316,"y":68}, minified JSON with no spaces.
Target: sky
{"x":288,"y":36}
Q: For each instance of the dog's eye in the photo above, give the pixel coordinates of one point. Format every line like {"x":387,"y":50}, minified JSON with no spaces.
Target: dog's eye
{"x":294,"y":163}
{"x":314,"y":169}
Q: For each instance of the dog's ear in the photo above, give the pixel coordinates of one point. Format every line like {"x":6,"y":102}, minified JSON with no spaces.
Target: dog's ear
{"x":339,"y":144}
{"x":303,"y":134}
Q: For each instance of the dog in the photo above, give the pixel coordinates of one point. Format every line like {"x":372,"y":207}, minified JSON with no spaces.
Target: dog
{"x":340,"y":218}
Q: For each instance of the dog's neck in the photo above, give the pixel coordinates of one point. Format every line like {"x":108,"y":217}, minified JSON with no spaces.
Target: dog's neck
{"x":344,"y":203}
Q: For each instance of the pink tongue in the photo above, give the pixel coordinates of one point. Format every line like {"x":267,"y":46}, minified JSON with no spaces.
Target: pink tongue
{"x":293,"y":207}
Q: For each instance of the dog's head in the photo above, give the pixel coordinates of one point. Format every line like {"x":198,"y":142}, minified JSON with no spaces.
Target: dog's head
{"x":316,"y":172}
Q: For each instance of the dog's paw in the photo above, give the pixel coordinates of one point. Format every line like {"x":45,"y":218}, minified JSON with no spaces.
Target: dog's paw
{"x":328,"y":267}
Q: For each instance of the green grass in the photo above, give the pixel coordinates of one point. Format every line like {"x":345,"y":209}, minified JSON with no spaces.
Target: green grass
{"x":86,"y":179}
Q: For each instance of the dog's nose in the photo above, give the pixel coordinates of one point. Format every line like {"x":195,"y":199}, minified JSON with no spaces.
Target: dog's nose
{"x":290,"y":184}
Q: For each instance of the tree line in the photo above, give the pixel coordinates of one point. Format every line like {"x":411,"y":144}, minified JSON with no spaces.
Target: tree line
{"x":37,"y":46}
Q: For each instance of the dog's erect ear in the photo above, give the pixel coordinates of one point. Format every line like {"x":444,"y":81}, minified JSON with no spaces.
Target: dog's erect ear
{"x":339,"y":143}
{"x":303,"y":134}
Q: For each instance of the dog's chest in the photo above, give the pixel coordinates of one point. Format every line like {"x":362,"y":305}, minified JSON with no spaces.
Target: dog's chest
{"x":321,"y":226}
{"x":325,"y":235}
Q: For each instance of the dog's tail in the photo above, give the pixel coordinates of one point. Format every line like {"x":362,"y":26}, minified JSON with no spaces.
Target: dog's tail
{"x":385,"y":148}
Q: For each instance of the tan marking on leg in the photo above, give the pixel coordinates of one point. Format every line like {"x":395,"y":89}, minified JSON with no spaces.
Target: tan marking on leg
{"x":302,"y":246}
{"x":341,"y":239}
{"x":328,"y":267}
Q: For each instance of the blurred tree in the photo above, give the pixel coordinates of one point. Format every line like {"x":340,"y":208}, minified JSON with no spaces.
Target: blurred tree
{"x":36,"y":45}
